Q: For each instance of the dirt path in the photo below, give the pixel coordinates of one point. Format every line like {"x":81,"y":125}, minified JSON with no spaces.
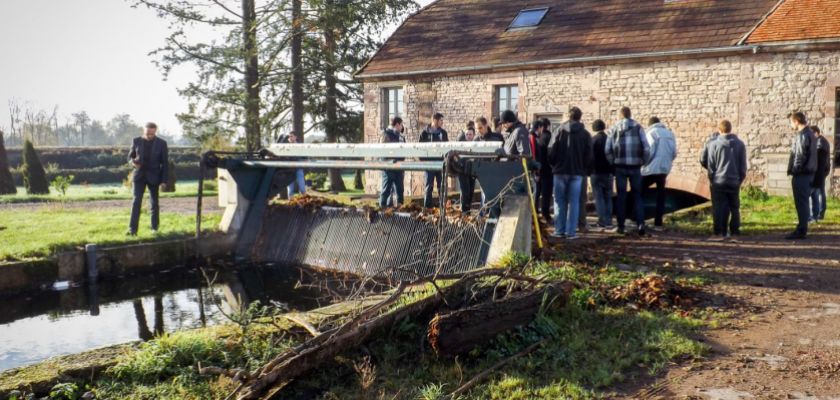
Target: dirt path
{"x":783,"y":341}
{"x":183,"y":205}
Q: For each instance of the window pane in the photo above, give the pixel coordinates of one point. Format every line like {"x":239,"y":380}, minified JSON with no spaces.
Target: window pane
{"x":514,"y":98}
{"x":528,"y":18}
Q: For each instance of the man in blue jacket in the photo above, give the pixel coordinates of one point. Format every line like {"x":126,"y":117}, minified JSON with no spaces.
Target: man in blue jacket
{"x":801,"y":168}
{"x":434,"y":133}
{"x":392,"y":180}
{"x":149,"y":155}
{"x":663,"y":152}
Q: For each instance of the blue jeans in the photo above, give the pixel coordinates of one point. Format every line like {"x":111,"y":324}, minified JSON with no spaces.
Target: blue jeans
{"x":567,"y":203}
{"x":299,"y":184}
{"x":602,"y":186}
{"x":634,"y":176}
{"x":391,"y":181}
{"x":818,"y":203}
{"x":431,"y":177}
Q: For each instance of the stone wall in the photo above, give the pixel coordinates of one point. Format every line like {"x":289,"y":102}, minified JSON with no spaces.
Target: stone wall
{"x":755,"y":92}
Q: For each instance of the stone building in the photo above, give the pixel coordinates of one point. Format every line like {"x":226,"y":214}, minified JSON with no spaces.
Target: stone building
{"x":689,"y":62}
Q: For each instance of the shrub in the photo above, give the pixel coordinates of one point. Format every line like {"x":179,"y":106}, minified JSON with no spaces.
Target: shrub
{"x":7,"y":182}
{"x":34,"y":177}
{"x":61,"y":184}
{"x":170,"y":179}
{"x":318,"y":179}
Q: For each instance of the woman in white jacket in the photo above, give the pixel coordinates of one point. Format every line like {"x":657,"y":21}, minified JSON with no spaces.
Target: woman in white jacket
{"x":663,"y":151}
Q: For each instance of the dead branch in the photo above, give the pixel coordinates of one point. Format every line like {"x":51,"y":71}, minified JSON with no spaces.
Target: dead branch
{"x":303,"y":324}
{"x":486,"y":373}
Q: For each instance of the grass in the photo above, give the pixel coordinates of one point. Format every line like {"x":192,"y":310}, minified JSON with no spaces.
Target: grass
{"x":759,"y":215}
{"x":93,"y":192}
{"x":28,"y":234}
{"x":591,"y":345}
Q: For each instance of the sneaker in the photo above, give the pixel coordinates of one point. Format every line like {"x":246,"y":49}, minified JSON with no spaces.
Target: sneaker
{"x":557,"y":236}
{"x":732,"y":239}
{"x":131,"y":233}
{"x":572,"y":237}
{"x":659,"y":228}
{"x":795,"y":236}
{"x":812,"y":221}
{"x":716,"y":238}
{"x":620,"y":231}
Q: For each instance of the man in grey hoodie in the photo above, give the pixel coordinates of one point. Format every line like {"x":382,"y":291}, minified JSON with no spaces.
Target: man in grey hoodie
{"x":627,"y":150}
{"x":802,"y":167}
{"x":726,"y":158}
{"x":663,"y":152}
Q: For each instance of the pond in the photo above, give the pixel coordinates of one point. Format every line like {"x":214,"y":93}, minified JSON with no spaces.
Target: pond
{"x":49,"y":323}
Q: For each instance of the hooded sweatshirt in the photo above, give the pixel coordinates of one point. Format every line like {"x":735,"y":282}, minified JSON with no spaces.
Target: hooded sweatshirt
{"x":570,"y":150}
{"x":727,"y":161}
{"x":663,"y":150}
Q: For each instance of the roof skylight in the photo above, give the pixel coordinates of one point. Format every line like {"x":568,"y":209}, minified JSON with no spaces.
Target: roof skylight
{"x":529,"y":18}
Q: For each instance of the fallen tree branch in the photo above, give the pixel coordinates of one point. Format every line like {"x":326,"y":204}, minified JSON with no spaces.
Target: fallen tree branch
{"x":303,"y":324}
{"x":486,"y":373}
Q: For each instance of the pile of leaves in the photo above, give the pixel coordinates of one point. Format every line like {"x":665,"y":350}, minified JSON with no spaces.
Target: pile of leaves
{"x":308,"y":202}
{"x":651,"y":292}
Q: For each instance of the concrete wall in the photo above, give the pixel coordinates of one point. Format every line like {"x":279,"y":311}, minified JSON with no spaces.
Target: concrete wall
{"x":755,"y":92}
{"x":113,"y":262}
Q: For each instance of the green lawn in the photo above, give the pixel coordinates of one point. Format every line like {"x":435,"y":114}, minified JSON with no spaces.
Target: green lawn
{"x":112,"y":191}
{"x":773,"y":214}
{"x":27,"y":234}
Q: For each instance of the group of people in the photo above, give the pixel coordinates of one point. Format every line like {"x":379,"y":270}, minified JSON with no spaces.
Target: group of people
{"x":626,"y":156}
{"x":725,"y":158}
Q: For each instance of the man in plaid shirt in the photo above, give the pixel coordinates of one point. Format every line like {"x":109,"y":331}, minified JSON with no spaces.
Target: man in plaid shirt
{"x":627,"y":149}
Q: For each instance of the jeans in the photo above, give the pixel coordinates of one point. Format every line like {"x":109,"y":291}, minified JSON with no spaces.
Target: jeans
{"x":801,"y":198}
{"x":430,"y":185}
{"x":659,"y":181}
{"x":726,"y":210}
{"x":566,"y":203}
{"x":818,"y":203}
{"x":466,"y":184}
{"x":299,"y":184}
{"x":634,"y":176}
{"x":139,"y":189}
{"x":602,"y":187}
{"x":392,"y":181}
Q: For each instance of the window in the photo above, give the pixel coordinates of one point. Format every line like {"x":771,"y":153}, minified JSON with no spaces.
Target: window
{"x":507,"y":98}
{"x":392,"y":105}
{"x":529,"y":18}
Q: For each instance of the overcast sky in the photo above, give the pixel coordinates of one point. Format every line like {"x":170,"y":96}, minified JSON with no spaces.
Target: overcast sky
{"x":89,"y":55}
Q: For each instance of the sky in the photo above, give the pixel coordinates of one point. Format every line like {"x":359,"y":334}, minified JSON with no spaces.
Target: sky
{"x":90,"y":55}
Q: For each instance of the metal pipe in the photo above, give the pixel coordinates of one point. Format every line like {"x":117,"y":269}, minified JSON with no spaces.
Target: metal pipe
{"x":349,"y":164}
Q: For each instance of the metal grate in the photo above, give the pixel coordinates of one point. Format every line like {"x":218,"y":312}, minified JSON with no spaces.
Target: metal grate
{"x":398,"y":246}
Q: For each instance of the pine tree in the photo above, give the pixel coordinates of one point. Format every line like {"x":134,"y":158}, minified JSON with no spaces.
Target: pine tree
{"x":7,"y":183}
{"x":34,"y":177}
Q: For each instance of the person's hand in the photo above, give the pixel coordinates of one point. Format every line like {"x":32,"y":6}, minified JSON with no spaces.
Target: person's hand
{"x":136,"y":163}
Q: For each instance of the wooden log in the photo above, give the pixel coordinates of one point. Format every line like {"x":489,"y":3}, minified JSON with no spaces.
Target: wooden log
{"x":460,"y":331}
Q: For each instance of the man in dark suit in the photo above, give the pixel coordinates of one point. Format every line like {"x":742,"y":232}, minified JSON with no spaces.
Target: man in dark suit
{"x":149,"y":155}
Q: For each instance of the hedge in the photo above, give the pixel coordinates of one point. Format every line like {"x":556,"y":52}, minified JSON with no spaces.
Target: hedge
{"x":95,"y":157}
{"x":185,"y":171}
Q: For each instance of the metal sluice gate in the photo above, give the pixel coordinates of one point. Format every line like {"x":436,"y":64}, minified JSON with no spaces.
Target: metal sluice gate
{"x":397,"y":245}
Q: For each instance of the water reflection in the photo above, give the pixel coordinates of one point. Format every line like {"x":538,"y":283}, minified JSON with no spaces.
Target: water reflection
{"x":47,"y":324}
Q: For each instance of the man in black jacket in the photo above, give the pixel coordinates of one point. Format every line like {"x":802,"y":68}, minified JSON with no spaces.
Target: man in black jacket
{"x":727,"y":165}
{"x":392,"y":180}
{"x":546,"y":180}
{"x":818,"y":196}
{"x":802,"y":167}
{"x":570,"y":155}
{"x":602,"y":178}
{"x":433,"y":133}
{"x":517,"y":142}
{"x":149,"y":155}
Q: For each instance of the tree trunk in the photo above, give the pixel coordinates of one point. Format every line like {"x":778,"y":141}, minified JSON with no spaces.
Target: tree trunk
{"x":297,"y":70}
{"x":252,"y":76}
{"x":331,"y":111}
{"x":460,"y":331}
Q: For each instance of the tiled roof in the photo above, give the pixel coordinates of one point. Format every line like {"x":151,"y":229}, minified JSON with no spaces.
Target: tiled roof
{"x":800,"y":20}
{"x":467,"y":33}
